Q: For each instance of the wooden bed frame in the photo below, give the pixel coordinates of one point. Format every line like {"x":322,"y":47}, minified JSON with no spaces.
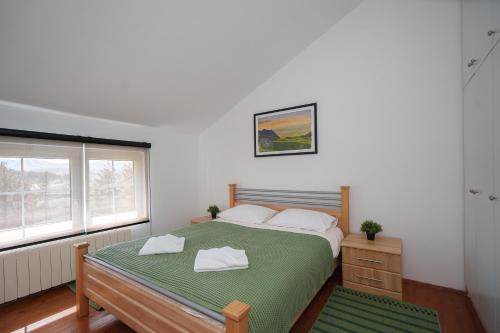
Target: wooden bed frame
{"x":146,"y":310}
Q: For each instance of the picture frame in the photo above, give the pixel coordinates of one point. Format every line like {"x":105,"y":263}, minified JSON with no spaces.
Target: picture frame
{"x":287,"y":131}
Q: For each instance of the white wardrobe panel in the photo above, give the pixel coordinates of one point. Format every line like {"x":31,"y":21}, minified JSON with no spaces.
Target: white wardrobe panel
{"x":23,"y":274}
{"x":496,"y":130}
{"x":473,"y":151}
{"x":478,"y":116}
{"x":482,"y":173}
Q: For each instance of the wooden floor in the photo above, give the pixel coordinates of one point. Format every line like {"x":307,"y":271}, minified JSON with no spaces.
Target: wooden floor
{"x":53,"y":311}
{"x":456,"y":313}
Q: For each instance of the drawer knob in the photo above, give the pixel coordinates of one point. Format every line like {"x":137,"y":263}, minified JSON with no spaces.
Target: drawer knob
{"x":367,"y":278}
{"x":370,"y":260}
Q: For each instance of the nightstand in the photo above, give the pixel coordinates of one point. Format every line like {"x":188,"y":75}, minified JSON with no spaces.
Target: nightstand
{"x":201,"y":219}
{"x":372,"y":266}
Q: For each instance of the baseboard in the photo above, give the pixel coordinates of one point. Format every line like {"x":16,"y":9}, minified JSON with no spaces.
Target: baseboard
{"x":436,"y":287}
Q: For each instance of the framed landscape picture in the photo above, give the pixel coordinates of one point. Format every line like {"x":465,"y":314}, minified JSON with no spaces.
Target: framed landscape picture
{"x":289,"y":131}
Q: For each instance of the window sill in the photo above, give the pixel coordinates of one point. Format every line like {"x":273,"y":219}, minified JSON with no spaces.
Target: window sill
{"x":15,"y":247}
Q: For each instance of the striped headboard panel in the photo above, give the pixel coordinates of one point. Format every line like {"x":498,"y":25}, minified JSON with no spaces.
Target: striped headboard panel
{"x":335,"y":203}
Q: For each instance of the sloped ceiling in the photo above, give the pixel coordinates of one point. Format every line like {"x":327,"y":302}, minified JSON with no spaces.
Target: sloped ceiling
{"x":164,"y":62}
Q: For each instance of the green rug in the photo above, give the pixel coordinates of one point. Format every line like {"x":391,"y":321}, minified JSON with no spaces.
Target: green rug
{"x":94,"y":305}
{"x":350,"y":311}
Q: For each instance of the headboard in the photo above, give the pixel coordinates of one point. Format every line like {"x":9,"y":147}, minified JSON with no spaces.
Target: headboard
{"x":335,"y":203}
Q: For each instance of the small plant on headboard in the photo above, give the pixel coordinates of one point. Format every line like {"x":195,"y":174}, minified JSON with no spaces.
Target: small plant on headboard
{"x":213,"y":210}
{"x":371,"y":228}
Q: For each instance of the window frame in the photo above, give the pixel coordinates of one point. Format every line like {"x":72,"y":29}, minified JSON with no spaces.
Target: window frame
{"x":141,"y":178}
{"x":29,"y":148}
{"x":59,"y":146}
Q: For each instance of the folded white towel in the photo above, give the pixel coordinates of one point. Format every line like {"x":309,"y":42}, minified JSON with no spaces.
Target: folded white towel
{"x":163,"y":244}
{"x":220,"y":259}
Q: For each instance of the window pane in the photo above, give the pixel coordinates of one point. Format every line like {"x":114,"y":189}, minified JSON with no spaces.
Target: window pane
{"x":10,"y":211}
{"x":100,"y":187}
{"x":47,"y":174}
{"x":41,"y":192}
{"x":112,"y":194}
{"x":43,"y":207}
{"x":47,"y":190}
{"x":10,"y":174}
{"x":124,"y":186}
{"x":101,"y":202}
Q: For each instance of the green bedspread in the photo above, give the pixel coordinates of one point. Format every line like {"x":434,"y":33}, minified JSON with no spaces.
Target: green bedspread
{"x":285,"y":270}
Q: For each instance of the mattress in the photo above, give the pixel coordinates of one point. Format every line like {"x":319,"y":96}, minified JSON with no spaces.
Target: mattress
{"x":286,"y":270}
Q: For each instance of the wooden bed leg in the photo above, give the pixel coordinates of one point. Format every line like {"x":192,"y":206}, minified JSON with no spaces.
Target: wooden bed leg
{"x":82,"y":302}
{"x":236,"y":314}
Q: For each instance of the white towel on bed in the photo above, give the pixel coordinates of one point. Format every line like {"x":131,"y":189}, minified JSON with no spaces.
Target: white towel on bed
{"x":163,"y":244}
{"x":220,"y":259}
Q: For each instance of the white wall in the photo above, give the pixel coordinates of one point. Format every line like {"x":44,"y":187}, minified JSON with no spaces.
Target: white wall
{"x":174,"y":158}
{"x":387,"y":79}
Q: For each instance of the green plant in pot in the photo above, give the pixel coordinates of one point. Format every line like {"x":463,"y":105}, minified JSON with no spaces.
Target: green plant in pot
{"x":213,"y":210}
{"x":371,"y":228}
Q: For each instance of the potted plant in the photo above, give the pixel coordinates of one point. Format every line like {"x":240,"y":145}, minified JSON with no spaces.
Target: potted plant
{"x":371,"y":228}
{"x":213,"y":210}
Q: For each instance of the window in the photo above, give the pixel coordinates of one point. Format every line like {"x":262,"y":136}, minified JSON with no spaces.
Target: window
{"x":116,"y":185}
{"x":43,"y":183}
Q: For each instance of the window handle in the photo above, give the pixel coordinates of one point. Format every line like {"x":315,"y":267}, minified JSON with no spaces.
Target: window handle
{"x":492,"y":198}
{"x":473,"y":191}
{"x":492,"y":32}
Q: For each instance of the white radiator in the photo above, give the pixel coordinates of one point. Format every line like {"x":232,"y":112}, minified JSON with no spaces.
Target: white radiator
{"x":29,"y":270}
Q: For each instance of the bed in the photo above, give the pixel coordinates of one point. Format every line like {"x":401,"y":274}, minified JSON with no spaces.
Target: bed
{"x":162,"y":293}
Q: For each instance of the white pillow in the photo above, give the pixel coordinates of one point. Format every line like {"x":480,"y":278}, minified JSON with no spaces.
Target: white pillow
{"x":303,"y":219}
{"x":248,"y":214}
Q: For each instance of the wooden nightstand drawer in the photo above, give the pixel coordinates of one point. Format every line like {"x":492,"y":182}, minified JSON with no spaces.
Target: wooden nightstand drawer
{"x":372,"y":277}
{"x":371,"y":259}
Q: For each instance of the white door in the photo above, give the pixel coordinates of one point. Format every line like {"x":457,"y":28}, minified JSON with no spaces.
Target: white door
{"x":496,"y":134}
{"x":480,"y":238}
